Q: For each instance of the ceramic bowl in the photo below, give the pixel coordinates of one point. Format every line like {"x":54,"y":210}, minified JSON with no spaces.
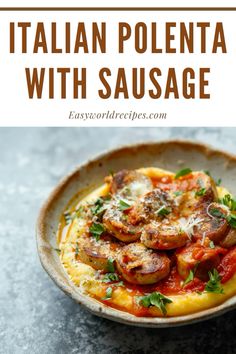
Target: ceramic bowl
{"x":170,"y":155}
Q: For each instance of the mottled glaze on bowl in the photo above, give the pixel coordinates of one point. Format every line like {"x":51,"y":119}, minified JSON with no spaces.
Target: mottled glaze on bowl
{"x":170,"y":155}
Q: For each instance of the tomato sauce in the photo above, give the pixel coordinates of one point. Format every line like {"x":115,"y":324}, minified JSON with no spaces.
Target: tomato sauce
{"x":227,"y":266}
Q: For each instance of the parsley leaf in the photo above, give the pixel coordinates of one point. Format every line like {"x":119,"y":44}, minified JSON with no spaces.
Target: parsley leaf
{"x":178,"y":193}
{"x":232,"y":220}
{"x":155,"y":299}
{"x":183,"y":172}
{"x":57,"y":250}
{"x":201,"y":192}
{"x":123,"y":205}
{"x":229,"y":202}
{"x":217,"y":213}
{"x":189,"y":278}
{"x":110,"y":265}
{"x":108,"y":294}
{"x":96,"y":230}
{"x":98,"y":207}
{"x":212,"y":245}
{"x":109,"y":277}
{"x":191,"y":274}
{"x":163,"y":211}
{"x":214,"y":284}
{"x":218,"y":182}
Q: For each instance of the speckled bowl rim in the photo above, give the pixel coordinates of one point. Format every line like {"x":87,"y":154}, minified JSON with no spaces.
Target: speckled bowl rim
{"x":95,"y":306}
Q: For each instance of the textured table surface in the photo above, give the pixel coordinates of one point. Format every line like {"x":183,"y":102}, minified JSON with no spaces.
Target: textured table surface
{"x":35,"y":316}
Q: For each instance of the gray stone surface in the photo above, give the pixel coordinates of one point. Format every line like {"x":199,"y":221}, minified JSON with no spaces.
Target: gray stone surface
{"x":35,"y":316}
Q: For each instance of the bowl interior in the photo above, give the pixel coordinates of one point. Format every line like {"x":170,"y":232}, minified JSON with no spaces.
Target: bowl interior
{"x":170,"y":155}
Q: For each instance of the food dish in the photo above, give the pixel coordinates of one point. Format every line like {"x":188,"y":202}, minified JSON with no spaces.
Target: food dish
{"x":153,"y":243}
{"x":168,"y":155}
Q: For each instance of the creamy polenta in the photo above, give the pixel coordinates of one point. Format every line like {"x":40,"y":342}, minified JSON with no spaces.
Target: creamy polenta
{"x":152,"y":243}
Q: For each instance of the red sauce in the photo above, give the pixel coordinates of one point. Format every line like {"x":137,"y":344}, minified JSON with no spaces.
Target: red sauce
{"x":227,"y":266}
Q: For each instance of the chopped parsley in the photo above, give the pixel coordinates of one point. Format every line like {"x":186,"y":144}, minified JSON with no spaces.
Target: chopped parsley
{"x":183,"y":172}
{"x":98,"y":207}
{"x":217,"y":213}
{"x":57,"y":250}
{"x":178,"y":193}
{"x":214,"y":285}
{"x":109,"y":277}
{"x":189,"y":278}
{"x":96,"y":230}
{"x":123,"y":205}
{"x":212,"y":245}
{"x":192,"y":272}
{"x":229,"y":202}
{"x":108,"y":294}
{"x":201,"y":192}
{"x":110,"y":265}
{"x":218,"y":182}
{"x":121,"y":283}
{"x":155,"y":299}
{"x":232,"y":220}
{"x":163,"y":211}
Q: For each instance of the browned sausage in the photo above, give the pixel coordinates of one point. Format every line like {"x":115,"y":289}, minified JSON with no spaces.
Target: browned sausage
{"x":164,"y":236}
{"x":214,"y":224}
{"x":139,"y":265}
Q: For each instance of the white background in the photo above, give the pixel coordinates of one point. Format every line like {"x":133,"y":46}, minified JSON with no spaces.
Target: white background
{"x":16,"y":109}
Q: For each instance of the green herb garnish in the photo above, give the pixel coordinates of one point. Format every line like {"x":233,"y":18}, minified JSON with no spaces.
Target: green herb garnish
{"x":121,"y":283}
{"x":96,"y":230}
{"x":201,"y":192}
{"x":163,"y":211}
{"x":98,"y":207}
{"x":108,"y":294}
{"x":218,"y":182}
{"x":155,"y":299}
{"x":232,"y":220}
{"x":178,"y":193}
{"x":229,"y":202}
{"x":183,"y":172}
{"x":189,"y":278}
{"x":214,"y":284}
{"x":57,"y":250}
{"x":123,"y":205}
{"x":110,"y":265}
{"x":212,"y":245}
{"x":192,"y":272}
{"x":217,"y":213}
{"x":109,"y":277}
